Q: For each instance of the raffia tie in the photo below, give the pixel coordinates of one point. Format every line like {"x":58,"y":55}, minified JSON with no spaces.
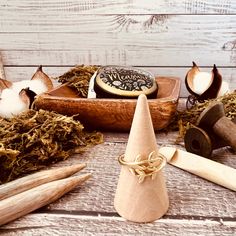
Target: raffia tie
{"x":145,"y":168}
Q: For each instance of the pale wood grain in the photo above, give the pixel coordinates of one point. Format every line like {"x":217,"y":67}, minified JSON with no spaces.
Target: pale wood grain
{"x":32,"y":199}
{"x":48,"y":224}
{"x":62,"y":7}
{"x":141,"y":57}
{"x":30,"y":181}
{"x":207,"y":169}
{"x":19,"y":73}
{"x":139,"y":197}
{"x":132,"y":23}
{"x":189,"y":195}
{"x":187,"y":27}
{"x":178,"y":35}
{"x":154,"y":49}
{"x":162,"y":138}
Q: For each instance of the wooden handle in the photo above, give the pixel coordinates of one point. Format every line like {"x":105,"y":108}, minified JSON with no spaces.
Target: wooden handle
{"x":226,"y":129}
{"x":205,"y":168}
{"x":36,"y":179}
{"x":23,"y":203}
{"x":200,"y":166}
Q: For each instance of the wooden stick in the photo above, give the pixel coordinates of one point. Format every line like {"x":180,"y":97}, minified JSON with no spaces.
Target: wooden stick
{"x":2,"y":72}
{"x":28,"y":201}
{"x":39,"y":178}
{"x":210,"y":170}
{"x":3,"y":82}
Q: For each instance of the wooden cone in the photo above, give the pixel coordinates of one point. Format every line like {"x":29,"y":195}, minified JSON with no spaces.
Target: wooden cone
{"x":146,"y":201}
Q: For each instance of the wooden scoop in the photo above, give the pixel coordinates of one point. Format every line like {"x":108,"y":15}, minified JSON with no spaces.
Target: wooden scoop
{"x":23,"y":203}
{"x":200,"y":166}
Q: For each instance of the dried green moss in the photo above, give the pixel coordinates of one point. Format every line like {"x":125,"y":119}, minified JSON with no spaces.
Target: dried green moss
{"x":35,"y":139}
{"x":78,"y":78}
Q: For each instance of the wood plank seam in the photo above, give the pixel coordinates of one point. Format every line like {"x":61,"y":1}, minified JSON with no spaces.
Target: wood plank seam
{"x":115,"y":214}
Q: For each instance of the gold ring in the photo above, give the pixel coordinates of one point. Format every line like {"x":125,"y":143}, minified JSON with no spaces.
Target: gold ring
{"x":144,"y":168}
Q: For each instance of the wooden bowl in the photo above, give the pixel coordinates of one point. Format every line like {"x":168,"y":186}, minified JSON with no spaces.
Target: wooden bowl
{"x":112,"y":114}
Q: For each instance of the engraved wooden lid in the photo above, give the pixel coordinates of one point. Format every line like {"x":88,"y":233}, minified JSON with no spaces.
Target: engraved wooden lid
{"x":119,"y":81}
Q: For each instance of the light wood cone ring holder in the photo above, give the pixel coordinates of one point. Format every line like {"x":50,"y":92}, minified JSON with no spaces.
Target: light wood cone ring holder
{"x":145,"y":168}
{"x":141,"y":194}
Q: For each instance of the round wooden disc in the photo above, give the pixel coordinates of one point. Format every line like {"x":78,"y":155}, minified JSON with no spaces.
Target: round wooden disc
{"x":198,"y":142}
{"x":211,"y":114}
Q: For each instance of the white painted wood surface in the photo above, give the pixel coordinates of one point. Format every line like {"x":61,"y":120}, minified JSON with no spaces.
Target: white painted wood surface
{"x":166,"y":34}
{"x":163,"y":37}
{"x":120,"y":6}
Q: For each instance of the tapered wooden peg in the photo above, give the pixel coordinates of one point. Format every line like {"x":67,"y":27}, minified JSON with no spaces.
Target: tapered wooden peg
{"x":23,"y":203}
{"x":141,"y":194}
{"x":30,"y":181}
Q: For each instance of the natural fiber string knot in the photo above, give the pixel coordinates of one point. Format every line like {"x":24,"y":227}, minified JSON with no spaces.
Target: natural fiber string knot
{"x":145,"y":168}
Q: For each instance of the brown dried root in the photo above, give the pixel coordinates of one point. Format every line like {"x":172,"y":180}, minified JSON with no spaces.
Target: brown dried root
{"x":35,"y":139}
{"x":78,"y":78}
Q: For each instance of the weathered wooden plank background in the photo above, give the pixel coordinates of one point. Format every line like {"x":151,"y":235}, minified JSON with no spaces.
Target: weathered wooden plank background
{"x":161,"y":36}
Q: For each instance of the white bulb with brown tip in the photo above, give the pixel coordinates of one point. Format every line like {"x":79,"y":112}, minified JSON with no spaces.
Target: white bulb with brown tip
{"x":36,"y":86}
{"x":201,"y":82}
{"x":148,"y":200}
{"x":39,"y":83}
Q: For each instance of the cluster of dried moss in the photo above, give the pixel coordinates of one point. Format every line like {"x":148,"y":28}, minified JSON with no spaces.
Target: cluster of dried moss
{"x":189,"y":117}
{"x":78,"y":78}
{"x":35,"y":139}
